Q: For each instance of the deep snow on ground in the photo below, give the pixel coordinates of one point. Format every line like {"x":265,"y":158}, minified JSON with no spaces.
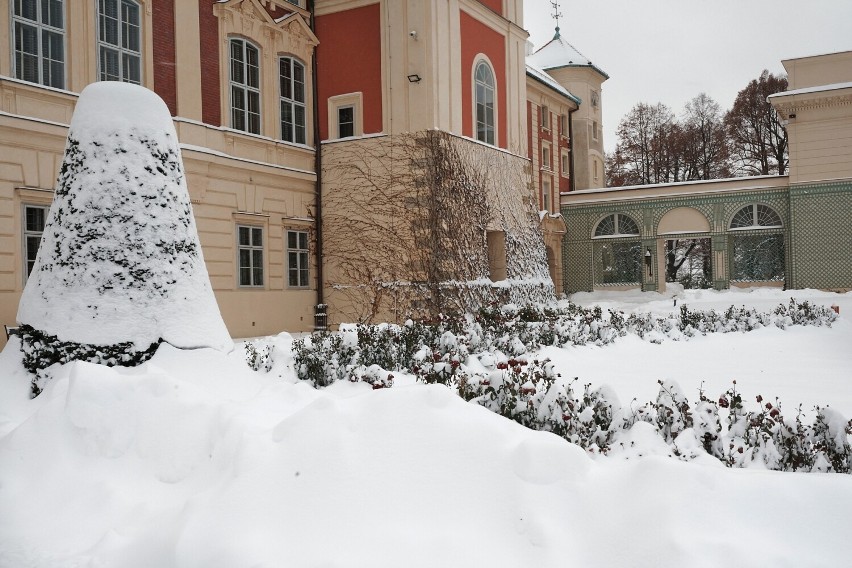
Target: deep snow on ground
{"x":194,"y":460}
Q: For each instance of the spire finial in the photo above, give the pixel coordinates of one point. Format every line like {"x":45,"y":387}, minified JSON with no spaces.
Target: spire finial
{"x":556,"y":15}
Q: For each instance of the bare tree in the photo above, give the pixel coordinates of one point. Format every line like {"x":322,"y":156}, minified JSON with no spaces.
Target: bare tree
{"x":645,"y":153}
{"x":703,"y":143}
{"x":758,"y":140}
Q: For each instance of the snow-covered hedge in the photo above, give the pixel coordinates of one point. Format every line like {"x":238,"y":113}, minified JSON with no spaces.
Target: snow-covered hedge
{"x":485,"y":359}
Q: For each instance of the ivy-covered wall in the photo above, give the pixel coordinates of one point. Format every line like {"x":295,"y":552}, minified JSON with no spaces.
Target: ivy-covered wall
{"x":412,"y":223}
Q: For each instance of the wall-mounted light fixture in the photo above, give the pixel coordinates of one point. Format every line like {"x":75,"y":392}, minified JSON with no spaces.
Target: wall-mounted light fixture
{"x":648,"y":261}
{"x":414,"y":78}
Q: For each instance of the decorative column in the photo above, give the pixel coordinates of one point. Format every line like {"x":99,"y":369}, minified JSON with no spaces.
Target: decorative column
{"x":719,"y":248}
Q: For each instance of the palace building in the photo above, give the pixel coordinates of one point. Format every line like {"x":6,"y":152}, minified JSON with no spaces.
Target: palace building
{"x":374,"y":160}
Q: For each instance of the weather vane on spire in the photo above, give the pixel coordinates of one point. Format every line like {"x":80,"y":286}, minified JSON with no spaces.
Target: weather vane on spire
{"x":556,"y":15}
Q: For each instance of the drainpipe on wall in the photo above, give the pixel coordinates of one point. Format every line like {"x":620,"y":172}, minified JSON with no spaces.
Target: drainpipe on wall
{"x":320,"y":310}
{"x":571,"y":149}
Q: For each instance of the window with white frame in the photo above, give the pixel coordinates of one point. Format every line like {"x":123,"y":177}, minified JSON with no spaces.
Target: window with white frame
{"x":38,"y":30}
{"x":546,"y":161}
{"x":595,"y":129}
{"x":563,"y":125}
{"x":245,"y":86}
{"x":292,"y":81}
{"x":250,"y":255}
{"x":545,"y":195}
{"x":345,"y":121}
{"x":545,"y":117}
{"x":34,"y":220}
{"x":484,"y":102}
{"x":294,"y":2}
{"x":566,"y":164}
{"x":297,"y":259}
{"x":616,"y":225}
{"x":119,"y":41}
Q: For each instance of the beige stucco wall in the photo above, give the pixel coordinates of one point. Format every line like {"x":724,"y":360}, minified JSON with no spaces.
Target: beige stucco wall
{"x":818,"y":70}
{"x":581,"y":81}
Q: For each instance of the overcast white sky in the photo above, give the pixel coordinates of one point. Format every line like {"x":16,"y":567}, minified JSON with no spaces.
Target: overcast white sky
{"x":670,"y":50}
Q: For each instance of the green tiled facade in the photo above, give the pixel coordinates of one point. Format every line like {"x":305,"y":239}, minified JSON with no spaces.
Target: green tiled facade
{"x":580,"y":256}
{"x":821,"y":236}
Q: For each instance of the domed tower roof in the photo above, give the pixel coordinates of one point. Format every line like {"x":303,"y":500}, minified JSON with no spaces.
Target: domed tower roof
{"x":558,"y":53}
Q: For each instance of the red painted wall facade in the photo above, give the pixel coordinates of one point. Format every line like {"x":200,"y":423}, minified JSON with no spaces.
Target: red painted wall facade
{"x":209,"y":49}
{"x":350,"y":58}
{"x":477,"y":38}
{"x":165,"y":81}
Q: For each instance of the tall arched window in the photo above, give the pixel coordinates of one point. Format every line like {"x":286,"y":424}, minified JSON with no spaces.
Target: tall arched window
{"x":119,"y":41}
{"x":292,"y":79}
{"x":484,"y":97}
{"x":245,"y":86}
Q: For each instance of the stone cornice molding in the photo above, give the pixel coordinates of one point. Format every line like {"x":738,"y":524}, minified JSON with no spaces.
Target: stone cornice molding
{"x":787,"y":107}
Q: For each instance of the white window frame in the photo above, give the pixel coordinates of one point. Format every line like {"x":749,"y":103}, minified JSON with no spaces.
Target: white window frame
{"x":595,"y":129}
{"x":125,"y":55}
{"x":565,"y":163}
{"x":490,"y":129}
{"x":754,"y":218}
{"x":31,"y":233}
{"x":302,"y":257}
{"x":547,"y":194}
{"x":41,"y":29}
{"x":252,"y":247}
{"x":354,"y":100}
{"x":293,"y":102}
{"x":563,"y":125}
{"x":545,"y":117}
{"x":617,"y":225}
{"x":245,"y":87}
{"x":546,"y":156}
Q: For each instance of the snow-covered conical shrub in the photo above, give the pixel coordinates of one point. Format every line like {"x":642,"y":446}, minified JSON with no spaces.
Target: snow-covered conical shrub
{"x":120,"y":261}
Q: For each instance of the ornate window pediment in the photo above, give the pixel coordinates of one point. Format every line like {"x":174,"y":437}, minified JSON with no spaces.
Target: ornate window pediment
{"x":288,"y":33}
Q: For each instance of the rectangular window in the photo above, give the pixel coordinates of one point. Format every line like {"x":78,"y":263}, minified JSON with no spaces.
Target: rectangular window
{"x":566,"y":166}
{"x":292,"y":83}
{"x":595,"y":129}
{"x":119,"y":41}
{"x":250,"y":251}
{"x":545,"y":193}
{"x":34,"y":219}
{"x":39,"y":41}
{"x":545,"y":157}
{"x":545,"y":117}
{"x":245,"y":86}
{"x":595,"y":162}
{"x":297,"y":259}
{"x":345,"y":122}
{"x":563,"y":125}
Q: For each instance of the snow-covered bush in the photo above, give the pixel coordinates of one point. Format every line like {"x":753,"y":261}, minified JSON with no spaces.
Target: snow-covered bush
{"x":120,"y":265}
{"x":673,"y":413}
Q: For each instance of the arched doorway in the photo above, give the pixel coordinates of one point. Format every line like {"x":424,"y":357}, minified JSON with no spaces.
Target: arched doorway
{"x":687,"y":247}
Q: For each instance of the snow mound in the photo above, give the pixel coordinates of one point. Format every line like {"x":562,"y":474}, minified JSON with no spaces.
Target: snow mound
{"x":192,"y":459}
{"x":120,"y":260}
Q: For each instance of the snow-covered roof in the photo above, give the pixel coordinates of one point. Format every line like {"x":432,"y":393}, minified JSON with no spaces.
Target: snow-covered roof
{"x":559,"y":53}
{"x":542,"y":77}
{"x":808,"y":90}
